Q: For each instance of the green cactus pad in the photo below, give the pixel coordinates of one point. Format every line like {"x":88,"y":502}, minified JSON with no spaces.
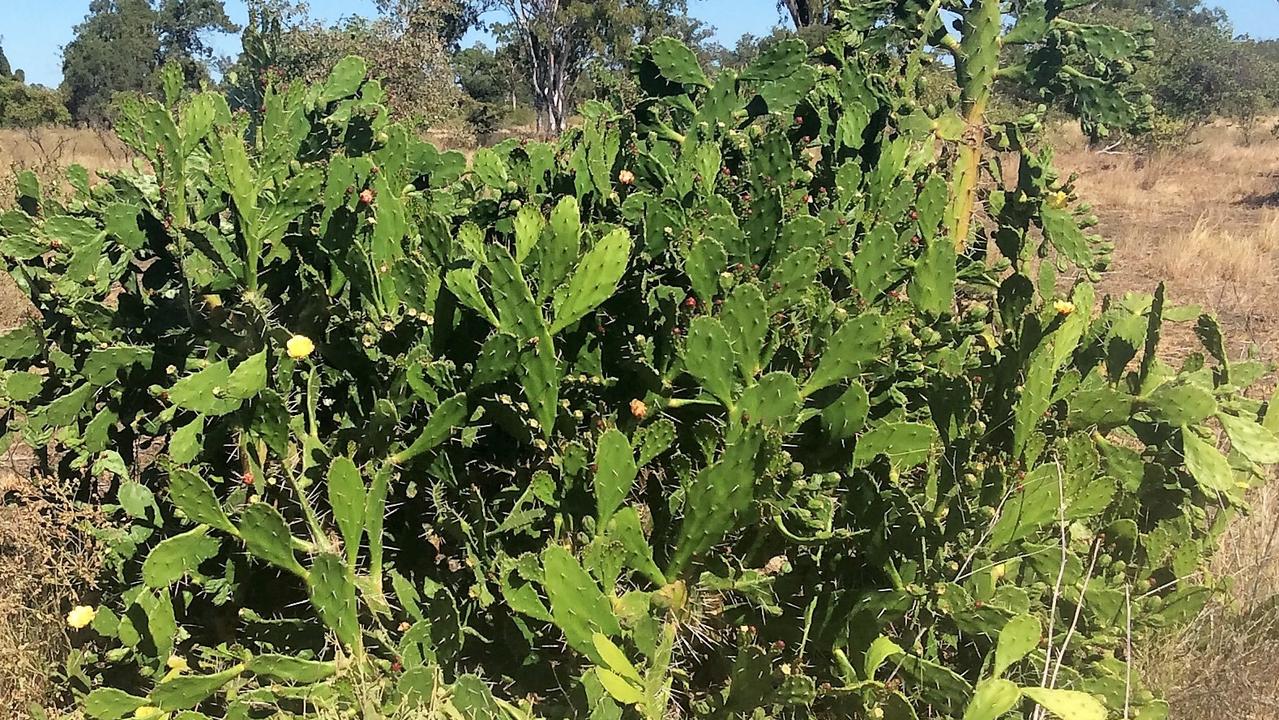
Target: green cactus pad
{"x":625,"y":527}
{"x":347,"y":498}
{"x":615,"y":472}
{"x":562,"y":246}
{"x":1067,"y":704}
{"x":1251,"y":439}
{"x":290,"y":669}
{"x":745,"y":317}
{"x":717,"y":495}
{"x":855,"y":344}
{"x":676,"y":62}
{"x":594,"y":280}
{"x":332,"y":591}
{"x":1019,"y":637}
{"x":847,"y":415}
{"x":654,"y":439}
{"x":791,"y":278}
{"x":193,"y":496}
{"x":992,"y":699}
{"x":578,"y":606}
{"x":704,"y":262}
{"x":517,"y":312}
{"x":709,"y":357}
{"x":184,"y":693}
{"x":498,"y":357}
{"x":773,"y":401}
{"x":107,"y":703}
{"x":905,"y":444}
{"x":177,"y":556}
{"x":267,"y":536}
{"x":450,"y":414}
{"x":529,"y":225}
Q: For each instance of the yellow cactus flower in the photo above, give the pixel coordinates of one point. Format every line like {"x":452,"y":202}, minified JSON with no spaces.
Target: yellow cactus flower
{"x":177,"y":663}
{"x":81,"y":615}
{"x":1057,"y":200}
{"x":299,"y":346}
{"x":1064,"y":307}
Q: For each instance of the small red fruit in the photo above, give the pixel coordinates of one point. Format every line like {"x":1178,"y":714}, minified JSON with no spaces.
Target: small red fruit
{"x":691,"y":302}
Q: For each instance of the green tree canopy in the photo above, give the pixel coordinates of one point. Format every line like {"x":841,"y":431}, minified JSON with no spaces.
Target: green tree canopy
{"x":121,"y":43}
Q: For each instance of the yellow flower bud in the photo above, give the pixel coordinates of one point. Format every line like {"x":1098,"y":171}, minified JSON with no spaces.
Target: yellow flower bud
{"x":177,"y":663}
{"x":81,"y":615}
{"x":299,"y":346}
{"x":148,"y":712}
{"x":1064,"y":307}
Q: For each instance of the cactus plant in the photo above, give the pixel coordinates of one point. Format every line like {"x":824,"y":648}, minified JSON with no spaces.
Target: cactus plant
{"x":731,"y":377}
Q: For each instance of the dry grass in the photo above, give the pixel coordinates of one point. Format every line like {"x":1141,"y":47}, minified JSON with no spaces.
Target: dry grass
{"x":46,"y":565}
{"x":1204,"y":219}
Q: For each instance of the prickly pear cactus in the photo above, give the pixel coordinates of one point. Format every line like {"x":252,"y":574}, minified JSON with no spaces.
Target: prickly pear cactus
{"x":763,"y":396}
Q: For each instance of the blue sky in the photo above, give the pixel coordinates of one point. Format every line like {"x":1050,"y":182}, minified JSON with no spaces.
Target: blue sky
{"x":33,"y":32}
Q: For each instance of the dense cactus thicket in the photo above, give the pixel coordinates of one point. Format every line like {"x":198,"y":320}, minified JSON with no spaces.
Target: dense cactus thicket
{"x":771,"y":396}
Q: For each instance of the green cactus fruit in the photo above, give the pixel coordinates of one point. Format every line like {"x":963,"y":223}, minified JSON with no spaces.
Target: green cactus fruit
{"x":615,"y":472}
{"x":562,"y":246}
{"x":791,"y":279}
{"x":716,"y":496}
{"x":498,"y":357}
{"x":796,"y":690}
{"x":347,"y":498}
{"x":517,"y":312}
{"x":285,"y":668}
{"x":773,"y":401}
{"x":992,"y":699}
{"x":1019,"y":637}
{"x":193,"y":496}
{"x":177,"y":556}
{"x":703,"y":263}
{"x":676,"y":62}
{"x":856,"y":343}
{"x":185,"y":692}
{"x":578,"y":606}
{"x":267,"y":536}
{"x":709,"y":357}
{"x":332,"y":591}
{"x":593,"y":281}
{"x":845,"y":417}
{"x":450,"y":415}
{"x":654,"y":439}
{"x":626,"y":529}
{"x":1067,"y":704}
{"x":745,"y":317}
{"x":905,"y":444}
{"x":529,"y":225}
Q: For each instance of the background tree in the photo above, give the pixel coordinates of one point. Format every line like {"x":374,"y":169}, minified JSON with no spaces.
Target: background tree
{"x":23,"y":105}
{"x":561,"y":39}
{"x":122,"y":43}
{"x":808,"y":13}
